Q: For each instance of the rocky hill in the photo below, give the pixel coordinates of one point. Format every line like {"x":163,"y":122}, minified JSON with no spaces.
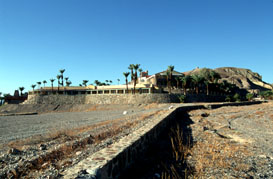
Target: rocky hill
{"x":243,"y":78}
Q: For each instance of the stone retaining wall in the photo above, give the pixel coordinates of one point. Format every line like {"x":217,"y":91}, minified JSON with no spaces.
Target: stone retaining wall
{"x":102,"y":99}
{"x":111,"y":161}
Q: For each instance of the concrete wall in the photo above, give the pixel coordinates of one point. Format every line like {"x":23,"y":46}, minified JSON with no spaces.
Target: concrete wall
{"x":102,"y":99}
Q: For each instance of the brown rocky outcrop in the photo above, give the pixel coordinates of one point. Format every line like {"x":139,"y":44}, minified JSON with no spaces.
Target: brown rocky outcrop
{"x":241,"y":77}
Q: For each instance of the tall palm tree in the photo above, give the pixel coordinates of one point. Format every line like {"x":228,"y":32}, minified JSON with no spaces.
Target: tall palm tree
{"x":66,"y":79}
{"x":62,"y":76}
{"x":58,"y":77}
{"x":84,"y":82}
{"x":177,"y":81}
{"x":97,"y":82}
{"x":170,"y":69}
{"x":131,"y":67}
{"x":197,"y":79}
{"x":185,"y":82}
{"x":68,"y":83}
{"x":39,"y":84}
{"x":33,"y":86}
{"x":21,"y":89}
{"x":167,"y":73}
{"x":126,"y":74}
{"x":140,"y":70}
{"x":44,"y":82}
{"x":136,"y":66}
{"x":118,"y":80}
{"x":52,"y":81}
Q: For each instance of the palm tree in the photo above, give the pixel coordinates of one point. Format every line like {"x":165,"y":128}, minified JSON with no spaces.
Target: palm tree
{"x":21,"y":89}
{"x":39,"y":84}
{"x":170,"y":69}
{"x":97,"y":82}
{"x":118,"y":80}
{"x":58,"y":77}
{"x":131,"y":67}
{"x":177,"y":82}
{"x":62,"y":76}
{"x":66,"y":79}
{"x":52,"y":81}
{"x":136,"y":66}
{"x":197,"y":79}
{"x":185,"y":82}
{"x":84,"y":82}
{"x":126,"y":74}
{"x":33,"y":86}
{"x":167,"y":73}
{"x":44,"y":82}
{"x":140,"y":70}
{"x":68,"y":83}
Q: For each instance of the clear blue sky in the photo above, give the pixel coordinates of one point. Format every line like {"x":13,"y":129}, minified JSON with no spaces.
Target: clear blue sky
{"x":98,"y":39}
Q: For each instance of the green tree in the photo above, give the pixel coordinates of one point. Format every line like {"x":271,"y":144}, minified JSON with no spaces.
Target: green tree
{"x":177,"y":82}
{"x":126,"y":74}
{"x":39,"y":84}
{"x":185,"y":82}
{"x":52,"y":81}
{"x":170,"y":69}
{"x":140,"y":70}
{"x":84,"y":82}
{"x":66,"y":79}
{"x":44,"y":82}
{"x":136,"y":67}
{"x":197,"y":79}
{"x":62,"y":76}
{"x":21,"y":90}
{"x":97,"y":82}
{"x":68,"y":83}
{"x":131,"y":67}
{"x":249,"y":96}
{"x":33,"y":86}
{"x":167,"y":73}
{"x":58,"y":77}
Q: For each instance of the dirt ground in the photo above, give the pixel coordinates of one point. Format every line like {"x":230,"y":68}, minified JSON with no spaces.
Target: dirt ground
{"x":233,"y":142}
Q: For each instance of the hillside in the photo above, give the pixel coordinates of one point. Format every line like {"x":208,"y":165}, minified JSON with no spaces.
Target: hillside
{"x":241,"y":77}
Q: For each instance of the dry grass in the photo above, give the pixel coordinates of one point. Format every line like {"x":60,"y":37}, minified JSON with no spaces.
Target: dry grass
{"x":216,"y":153}
{"x":57,"y":157}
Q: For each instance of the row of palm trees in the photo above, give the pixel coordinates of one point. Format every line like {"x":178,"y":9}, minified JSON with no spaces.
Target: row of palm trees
{"x":134,"y":69}
{"x":206,"y":80}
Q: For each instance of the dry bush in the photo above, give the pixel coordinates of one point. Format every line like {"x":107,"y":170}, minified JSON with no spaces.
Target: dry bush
{"x":215,"y":152}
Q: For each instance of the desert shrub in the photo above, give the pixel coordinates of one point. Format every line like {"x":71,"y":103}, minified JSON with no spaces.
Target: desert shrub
{"x":237,"y":97}
{"x":249,"y":96}
{"x":228,"y":98}
{"x":182,"y":98}
{"x":266,"y":94}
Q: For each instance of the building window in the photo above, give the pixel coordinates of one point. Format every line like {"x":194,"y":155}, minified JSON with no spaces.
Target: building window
{"x":113,"y":91}
{"x":94,"y":92}
{"x":106,"y":91}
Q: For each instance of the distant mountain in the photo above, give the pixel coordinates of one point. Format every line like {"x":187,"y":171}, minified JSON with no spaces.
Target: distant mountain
{"x":241,"y":77}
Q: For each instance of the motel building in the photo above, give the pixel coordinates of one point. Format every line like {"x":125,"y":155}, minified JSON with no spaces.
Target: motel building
{"x":96,"y":90}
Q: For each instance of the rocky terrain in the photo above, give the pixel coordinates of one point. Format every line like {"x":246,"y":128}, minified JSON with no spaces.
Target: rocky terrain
{"x":43,"y":145}
{"x":227,"y":142}
{"x":241,"y":77}
{"x":233,"y":142}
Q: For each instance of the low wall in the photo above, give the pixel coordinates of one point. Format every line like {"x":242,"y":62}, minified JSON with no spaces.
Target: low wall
{"x":111,"y":161}
{"x":102,"y":99}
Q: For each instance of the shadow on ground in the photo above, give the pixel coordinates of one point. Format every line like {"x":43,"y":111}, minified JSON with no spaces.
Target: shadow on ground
{"x":167,"y":156}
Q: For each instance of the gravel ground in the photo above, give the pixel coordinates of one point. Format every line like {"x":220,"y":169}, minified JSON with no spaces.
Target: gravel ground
{"x":233,"y":142}
{"x":87,"y":131}
{"x":22,"y":126}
